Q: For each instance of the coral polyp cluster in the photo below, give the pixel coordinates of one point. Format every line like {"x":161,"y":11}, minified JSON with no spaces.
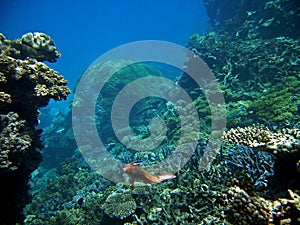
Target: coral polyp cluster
{"x":36,"y":45}
{"x":286,"y":141}
{"x":242,"y":208}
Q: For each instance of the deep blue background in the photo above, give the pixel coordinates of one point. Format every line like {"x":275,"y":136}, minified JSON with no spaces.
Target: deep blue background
{"x":83,"y":30}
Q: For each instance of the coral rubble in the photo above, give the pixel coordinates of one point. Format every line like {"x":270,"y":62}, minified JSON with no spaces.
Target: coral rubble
{"x":26,"y":84}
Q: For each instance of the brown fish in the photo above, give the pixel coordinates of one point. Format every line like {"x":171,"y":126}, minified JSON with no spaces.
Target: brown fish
{"x":136,"y":172}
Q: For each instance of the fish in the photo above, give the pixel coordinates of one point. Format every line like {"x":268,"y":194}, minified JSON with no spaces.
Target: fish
{"x":136,"y":172}
{"x":235,"y":113}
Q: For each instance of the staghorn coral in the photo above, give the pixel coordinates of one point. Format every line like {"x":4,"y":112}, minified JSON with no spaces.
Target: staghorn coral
{"x":119,"y":205}
{"x":258,"y":165}
{"x":33,"y":45}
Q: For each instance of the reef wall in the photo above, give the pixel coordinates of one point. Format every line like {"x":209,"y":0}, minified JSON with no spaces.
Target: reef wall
{"x":257,"y":64}
{"x":26,"y":85}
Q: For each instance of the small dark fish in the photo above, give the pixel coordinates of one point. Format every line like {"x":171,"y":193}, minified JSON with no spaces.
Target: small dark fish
{"x":80,"y":201}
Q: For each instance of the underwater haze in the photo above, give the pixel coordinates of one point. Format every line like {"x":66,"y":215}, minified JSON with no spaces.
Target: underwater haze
{"x":84,"y":30}
{"x":150,"y":112}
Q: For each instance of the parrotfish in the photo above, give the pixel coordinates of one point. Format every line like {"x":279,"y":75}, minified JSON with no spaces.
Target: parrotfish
{"x":136,"y":172}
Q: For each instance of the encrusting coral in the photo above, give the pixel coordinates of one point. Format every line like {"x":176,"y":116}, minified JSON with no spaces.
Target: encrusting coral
{"x":34,"y":85}
{"x":26,"y":84}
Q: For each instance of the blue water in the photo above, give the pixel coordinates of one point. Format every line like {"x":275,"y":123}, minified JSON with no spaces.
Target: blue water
{"x":83,"y":30}
{"x":253,"y":50}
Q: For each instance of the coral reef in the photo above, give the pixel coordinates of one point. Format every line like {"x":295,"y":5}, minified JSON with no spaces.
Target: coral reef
{"x":16,"y":139}
{"x":271,"y":18}
{"x":25,"y":86}
{"x":279,"y":104}
{"x":284,"y":144}
{"x":257,"y":63}
{"x":58,"y":139}
{"x":36,"y":45}
{"x":119,"y":205}
{"x":34,"y":85}
{"x":242,"y":208}
{"x":192,"y":198}
{"x":256,"y":164}
{"x":254,"y":58}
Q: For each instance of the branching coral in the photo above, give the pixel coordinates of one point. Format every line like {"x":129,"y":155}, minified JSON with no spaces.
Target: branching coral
{"x":279,"y":104}
{"x":258,"y":165}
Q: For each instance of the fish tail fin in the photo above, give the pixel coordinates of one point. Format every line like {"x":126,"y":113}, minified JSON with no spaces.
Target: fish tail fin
{"x":163,"y":177}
